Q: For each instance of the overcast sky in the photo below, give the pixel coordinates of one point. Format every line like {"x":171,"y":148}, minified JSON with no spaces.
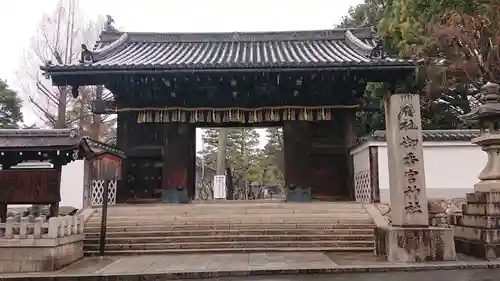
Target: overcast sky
{"x":19,"y":20}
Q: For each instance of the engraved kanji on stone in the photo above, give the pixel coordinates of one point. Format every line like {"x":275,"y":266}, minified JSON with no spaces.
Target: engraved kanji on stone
{"x":411,"y":175}
{"x":408,"y":142}
{"x":413,"y":207}
{"x":412,"y":189}
{"x":406,"y":110}
{"x":407,"y":124}
{"x":410,"y":159}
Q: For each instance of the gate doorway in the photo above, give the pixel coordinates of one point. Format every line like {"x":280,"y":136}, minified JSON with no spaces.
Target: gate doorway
{"x":144,"y":179}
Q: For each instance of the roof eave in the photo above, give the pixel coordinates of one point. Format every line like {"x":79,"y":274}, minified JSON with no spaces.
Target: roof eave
{"x":145,"y":70}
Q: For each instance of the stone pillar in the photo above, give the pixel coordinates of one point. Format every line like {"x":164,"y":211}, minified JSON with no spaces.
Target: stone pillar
{"x":477,"y":232}
{"x":406,"y":163}
{"x":409,"y":238}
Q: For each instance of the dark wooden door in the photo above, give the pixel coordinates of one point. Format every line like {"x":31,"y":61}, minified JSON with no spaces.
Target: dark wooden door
{"x":144,"y":178}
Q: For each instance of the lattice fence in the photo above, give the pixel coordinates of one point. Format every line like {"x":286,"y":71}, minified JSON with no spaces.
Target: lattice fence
{"x":362,"y":187}
{"x":98,"y":192}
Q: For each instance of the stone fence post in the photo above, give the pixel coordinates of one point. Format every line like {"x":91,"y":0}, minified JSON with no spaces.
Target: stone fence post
{"x":40,"y":228}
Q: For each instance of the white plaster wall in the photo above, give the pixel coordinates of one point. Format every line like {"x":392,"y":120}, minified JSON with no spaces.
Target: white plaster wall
{"x":361,"y":159}
{"x":72,"y":184}
{"x":451,"y":168}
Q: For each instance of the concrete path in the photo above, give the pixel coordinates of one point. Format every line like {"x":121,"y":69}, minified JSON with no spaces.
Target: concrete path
{"x":242,"y":264}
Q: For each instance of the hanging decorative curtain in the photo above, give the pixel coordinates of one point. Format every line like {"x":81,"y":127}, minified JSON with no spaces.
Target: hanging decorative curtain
{"x":234,"y":114}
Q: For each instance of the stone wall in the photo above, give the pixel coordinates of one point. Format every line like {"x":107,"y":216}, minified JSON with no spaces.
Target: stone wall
{"x":30,"y":244}
{"x":442,"y":212}
{"x":39,"y":256}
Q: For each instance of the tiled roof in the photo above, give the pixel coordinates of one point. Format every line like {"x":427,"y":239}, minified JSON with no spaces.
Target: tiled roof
{"x":427,"y":135}
{"x":154,"y":51}
{"x":99,"y":148}
{"x":39,"y":138}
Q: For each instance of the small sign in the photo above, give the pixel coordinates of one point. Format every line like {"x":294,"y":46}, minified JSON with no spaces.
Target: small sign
{"x":29,"y":187}
{"x":220,"y":187}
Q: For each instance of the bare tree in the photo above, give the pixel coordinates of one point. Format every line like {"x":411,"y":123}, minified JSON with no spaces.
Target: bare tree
{"x":58,"y":40}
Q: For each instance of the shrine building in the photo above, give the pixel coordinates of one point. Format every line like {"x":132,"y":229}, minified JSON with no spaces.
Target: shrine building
{"x":165,"y":85}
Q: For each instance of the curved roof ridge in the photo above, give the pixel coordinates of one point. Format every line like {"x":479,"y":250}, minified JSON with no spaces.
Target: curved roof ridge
{"x":355,"y":43}
{"x":320,"y":34}
{"x":107,"y":49}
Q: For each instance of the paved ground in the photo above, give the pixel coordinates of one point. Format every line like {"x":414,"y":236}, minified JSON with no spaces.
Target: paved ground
{"x":443,"y":275}
{"x":212,"y":265}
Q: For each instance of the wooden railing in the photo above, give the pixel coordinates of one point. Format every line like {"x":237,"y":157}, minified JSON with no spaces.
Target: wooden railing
{"x":40,"y":227}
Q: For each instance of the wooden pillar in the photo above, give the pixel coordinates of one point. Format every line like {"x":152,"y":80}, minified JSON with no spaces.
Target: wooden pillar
{"x":54,"y":206}
{"x":3,"y":212}
{"x":191,"y":160}
{"x":179,"y":161}
{"x":349,"y":132}
{"x":374,"y":176}
{"x":122,"y":138}
{"x":296,"y":142}
{"x":297,"y":160}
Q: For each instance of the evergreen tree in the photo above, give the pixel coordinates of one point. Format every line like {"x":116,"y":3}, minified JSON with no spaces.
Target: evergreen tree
{"x":405,"y":29}
{"x":242,"y":153}
{"x":210,"y":147}
{"x":10,"y":107}
{"x":273,"y":156}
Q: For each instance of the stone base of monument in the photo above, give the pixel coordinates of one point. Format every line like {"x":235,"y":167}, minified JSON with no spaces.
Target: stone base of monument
{"x":477,"y":231}
{"x":415,"y":244}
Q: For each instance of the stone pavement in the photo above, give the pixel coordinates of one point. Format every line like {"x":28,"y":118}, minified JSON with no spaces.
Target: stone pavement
{"x":443,"y":275}
{"x":163,"y":267}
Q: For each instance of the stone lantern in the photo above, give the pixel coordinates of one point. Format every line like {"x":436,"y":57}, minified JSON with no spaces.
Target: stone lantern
{"x":488,"y":117}
{"x":477,"y":232}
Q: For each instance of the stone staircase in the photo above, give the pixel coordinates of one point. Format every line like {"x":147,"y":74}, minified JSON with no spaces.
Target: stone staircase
{"x":236,"y":227}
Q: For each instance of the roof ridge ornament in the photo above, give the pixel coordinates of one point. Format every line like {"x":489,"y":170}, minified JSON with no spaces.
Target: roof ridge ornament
{"x":86,"y":55}
{"x":109,"y":24}
{"x":377,"y":51}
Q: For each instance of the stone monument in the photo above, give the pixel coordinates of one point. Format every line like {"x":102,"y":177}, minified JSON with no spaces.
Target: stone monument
{"x":409,"y":238}
{"x":477,"y":232}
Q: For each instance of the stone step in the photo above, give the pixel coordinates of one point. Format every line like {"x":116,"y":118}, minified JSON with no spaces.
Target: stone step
{"x":247,"y":205}
{"x":228,"y":250}
{"x":235,"y":210}
{"x":243,"y":226}
{"x":164,"y":215}
{"x":228,"y":238}
{"x":233,"y":244}
{"x":232,"y":215}
{"x":248,"y":218}
{"x":223,"y":209}
{"x":229,"y":232}
{"x":232,"y":221}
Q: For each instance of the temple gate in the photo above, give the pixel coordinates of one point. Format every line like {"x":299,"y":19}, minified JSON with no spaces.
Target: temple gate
{"x":165,"y":85}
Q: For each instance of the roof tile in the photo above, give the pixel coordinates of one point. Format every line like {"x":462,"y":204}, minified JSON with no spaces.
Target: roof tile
{"x":427,"y":135}
{"x":326,"y":48}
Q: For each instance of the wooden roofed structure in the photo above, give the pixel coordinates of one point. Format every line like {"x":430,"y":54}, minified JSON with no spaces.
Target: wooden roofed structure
{"x":36,"y":186}
{"x":166,"y":84}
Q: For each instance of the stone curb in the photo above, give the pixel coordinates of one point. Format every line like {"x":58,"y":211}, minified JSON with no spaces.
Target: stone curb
{"x":375,"y":214}
{"x":251,"y":272}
